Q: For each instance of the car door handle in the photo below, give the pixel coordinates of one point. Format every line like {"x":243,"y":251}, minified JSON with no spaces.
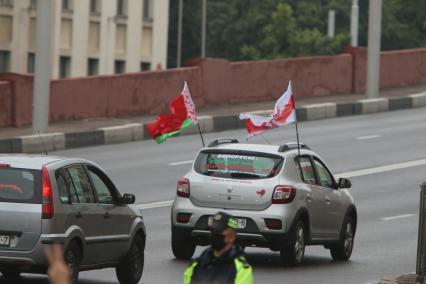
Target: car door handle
{"x":79,"y":215}
{"x":106,"y":215}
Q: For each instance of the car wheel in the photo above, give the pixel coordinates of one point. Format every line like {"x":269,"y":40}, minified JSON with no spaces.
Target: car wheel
{"x":294,"y":251}
{"x":129,"y":271}
{"x":72,"y":257}
{"x":10,"y":273}
{"x":342,"y":251}
{"x":183,"y":248}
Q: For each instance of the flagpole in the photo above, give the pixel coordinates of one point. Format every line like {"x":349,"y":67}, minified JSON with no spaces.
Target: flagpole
{"x":297,"y":134}
{"x":201,"y":134}
{"x":297,"y":137}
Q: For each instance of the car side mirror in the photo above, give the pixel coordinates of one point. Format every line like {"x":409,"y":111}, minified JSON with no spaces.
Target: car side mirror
{"x":344,"y":183}
{"x":128,"y":199}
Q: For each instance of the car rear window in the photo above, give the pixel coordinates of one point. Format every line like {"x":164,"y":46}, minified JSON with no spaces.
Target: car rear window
{"x":238,"y":164}
{"x":20,"y":185}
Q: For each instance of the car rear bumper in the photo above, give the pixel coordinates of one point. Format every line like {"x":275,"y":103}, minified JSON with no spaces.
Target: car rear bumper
{"x":256,"y":232}
{"x":33,"y":260}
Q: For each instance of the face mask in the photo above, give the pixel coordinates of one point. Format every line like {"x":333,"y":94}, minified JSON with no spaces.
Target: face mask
{"x":217,"y":241}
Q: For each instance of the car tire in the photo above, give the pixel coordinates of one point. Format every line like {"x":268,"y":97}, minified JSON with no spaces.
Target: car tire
{"x":73,"y":256}
{"x":293,"y":252}
{"x":342,"y":250}
{"x":10,"y":273}
{"x":183,"y":248}
{"x":129,"y":270}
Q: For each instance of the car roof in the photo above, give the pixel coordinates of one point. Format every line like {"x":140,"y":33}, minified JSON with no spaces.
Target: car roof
{"x":270,"y":149}
{"x":33,"y":161}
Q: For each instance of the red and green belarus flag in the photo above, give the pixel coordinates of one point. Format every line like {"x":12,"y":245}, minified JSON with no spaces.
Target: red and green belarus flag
{"x":182,"y":115}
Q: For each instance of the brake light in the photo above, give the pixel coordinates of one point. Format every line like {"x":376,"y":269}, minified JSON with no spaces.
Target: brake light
{"x":283,"y":194}
{"x":183,"y":187}
{"x":4,"y":165}
{"x":48,"y":208}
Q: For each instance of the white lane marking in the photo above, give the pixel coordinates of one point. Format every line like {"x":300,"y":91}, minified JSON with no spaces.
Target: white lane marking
{"x":180,"y":163}
{"x":155,"y":204}
{"x":397,"y":217}
{"x":383,"y":169}
{"x":372,"y":282}
{"x":368,"y":137}
{"x":347,"y":175}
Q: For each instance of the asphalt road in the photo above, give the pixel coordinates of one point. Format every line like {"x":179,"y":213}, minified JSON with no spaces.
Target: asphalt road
{"x":387,"y":200}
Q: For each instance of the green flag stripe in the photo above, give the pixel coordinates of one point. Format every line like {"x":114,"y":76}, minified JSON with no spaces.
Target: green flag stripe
{"x":185,"y":124}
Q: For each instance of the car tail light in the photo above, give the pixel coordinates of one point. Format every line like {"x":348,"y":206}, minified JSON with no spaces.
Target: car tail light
{"x":283,"y":194}
{"x":273,"y":224}
{"x":4,"y":165}
{"x":183,"y":217}
{"x":183,"y":187}
{"x":48,"y":208}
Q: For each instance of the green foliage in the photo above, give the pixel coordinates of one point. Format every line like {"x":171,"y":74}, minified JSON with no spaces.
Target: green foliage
{"x":267,"y":29}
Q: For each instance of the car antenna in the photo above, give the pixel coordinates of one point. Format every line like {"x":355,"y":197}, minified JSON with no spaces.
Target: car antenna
{"x":42,"y":143}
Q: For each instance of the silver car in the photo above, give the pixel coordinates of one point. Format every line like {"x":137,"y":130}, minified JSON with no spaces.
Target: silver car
{"x":281,"y":201}
{"x":46,"y":199}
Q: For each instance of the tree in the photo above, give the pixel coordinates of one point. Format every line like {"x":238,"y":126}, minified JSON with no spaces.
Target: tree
{"x":253,"y":29}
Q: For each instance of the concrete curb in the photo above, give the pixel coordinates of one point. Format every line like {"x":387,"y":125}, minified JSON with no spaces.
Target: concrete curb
{"x":403,"y":279}
{"x":137,"y":131}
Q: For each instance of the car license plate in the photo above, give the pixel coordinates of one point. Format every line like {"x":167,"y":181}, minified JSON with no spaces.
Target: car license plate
{"x":242,"y":223}
{"x":4,"y":240}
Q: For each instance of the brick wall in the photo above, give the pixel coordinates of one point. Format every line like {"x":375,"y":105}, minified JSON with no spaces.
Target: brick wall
{"x":213,"y":82}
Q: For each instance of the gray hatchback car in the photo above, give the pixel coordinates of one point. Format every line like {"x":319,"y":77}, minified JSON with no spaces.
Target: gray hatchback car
{"x":281,"y":200}
{"x":46,"y":199}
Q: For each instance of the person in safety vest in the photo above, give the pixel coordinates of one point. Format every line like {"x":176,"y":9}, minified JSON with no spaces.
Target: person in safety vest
{"x":223,"y":262}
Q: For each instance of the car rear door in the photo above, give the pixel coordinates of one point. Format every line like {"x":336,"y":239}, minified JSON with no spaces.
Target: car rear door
{"x":90,"y":214}
{"x":332,"y":200}
{"x":117,"y":218}
{"x":20,"y":208}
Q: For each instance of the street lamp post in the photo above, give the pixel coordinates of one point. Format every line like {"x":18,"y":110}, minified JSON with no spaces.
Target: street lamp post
{"x":354,"y":23}
{"x":179,"y":35}
{"x":373,"y":53}
{"x":203,"y":29}
{"x":331,"y":23}
{"x":42,"y":74}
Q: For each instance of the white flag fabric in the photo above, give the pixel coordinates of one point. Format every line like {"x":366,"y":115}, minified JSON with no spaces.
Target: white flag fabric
{"x":284,"y":113}
{"x":189,"y":104}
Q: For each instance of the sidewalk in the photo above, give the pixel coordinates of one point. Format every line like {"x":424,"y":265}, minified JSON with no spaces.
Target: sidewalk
{"x":99,"y":131}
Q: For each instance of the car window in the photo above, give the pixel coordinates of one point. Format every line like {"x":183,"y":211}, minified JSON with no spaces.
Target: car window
{"x":82,"y":184}
{"x":325,"y":178}
{"x":308,"y":174}
{"x":66,"y":189}
{"x":238,"y":164}
{"x":20,"y":185}
{"x":103,"y":193}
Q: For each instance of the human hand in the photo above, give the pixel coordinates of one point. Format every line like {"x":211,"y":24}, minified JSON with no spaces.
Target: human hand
{"x":59,"y":272}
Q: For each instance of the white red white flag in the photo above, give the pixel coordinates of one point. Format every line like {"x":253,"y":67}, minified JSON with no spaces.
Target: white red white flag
{"x":189,"y":104}
{"x":284,"y":113}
